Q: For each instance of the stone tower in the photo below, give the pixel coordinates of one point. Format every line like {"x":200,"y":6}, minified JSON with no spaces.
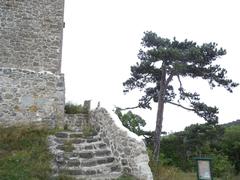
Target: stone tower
{"x":31,"y":83}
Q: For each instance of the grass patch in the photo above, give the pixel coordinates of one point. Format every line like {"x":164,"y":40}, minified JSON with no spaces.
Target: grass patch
{"x":161,"y":172}
{"x":68,"y":146}
{"x":24,"y":153}
{"x":89,"y":130}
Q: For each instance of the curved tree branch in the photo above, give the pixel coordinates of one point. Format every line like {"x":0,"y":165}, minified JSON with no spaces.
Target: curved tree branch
{"x":181,"y":88}
{"x":134,"y":107}
{"x":179,"y":105}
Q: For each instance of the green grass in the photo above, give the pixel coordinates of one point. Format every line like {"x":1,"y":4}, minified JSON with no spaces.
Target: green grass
{"x":68,"y":147}
{"x":24,"y":153}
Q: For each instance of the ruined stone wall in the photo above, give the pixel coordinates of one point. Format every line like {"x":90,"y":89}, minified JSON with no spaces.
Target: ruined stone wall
{"x":31,"y":34}
{"x":28,"y":97}
{"x":76,"y":122}
{"x":130,"y":152}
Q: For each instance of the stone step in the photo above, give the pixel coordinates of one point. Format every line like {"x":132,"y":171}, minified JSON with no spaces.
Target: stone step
{"x":77,"y":172}
{"x":97,"y":161}
{"x":101,"y":153}
{"x":63,"y":158}
{"x":87,"y":163}
{"x":91,"y":146}
{"x":75,"y":137}
{"x":96,"y":153}
{"x":110,"y":176}
{"x":73,"y":163}
{"x":101,"y":169}
{"x":81,"y":146}
{"x":74,"y":168}
{"x":93,"y":176}
{"x":61,"y":135}
{"x":86,"y":140}
{"x":69,"y":134}
{"x":83,"y":157}
{"x":86,"y":155}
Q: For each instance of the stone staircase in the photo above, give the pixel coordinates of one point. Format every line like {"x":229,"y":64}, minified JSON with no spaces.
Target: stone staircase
{"x":83,"y":157}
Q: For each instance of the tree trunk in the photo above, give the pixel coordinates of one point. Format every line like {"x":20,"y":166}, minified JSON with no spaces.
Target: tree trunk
{"x":159,"y":121}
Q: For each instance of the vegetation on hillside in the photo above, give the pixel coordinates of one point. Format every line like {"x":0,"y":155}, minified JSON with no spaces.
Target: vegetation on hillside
{"x":204,"y":140}
{"x":219,"y":142}
{"x":231,"y":145}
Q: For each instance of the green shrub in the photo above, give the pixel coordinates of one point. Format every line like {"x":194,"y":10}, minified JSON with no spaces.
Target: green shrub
{"x":221,"y":166}
{"x":71,"y":108}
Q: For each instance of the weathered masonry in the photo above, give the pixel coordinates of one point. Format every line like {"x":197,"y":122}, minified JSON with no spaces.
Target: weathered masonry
{"x":31,"y":83}
{"x":31,"y":34}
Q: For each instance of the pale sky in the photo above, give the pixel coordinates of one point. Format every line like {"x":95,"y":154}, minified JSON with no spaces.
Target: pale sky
{"x":102,"y":39}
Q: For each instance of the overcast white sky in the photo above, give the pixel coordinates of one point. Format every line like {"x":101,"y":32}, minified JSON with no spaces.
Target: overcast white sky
{"x":102,"y":39}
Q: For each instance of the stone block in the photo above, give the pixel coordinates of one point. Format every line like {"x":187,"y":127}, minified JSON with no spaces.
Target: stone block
{"x":102,"y":153}
{"x":91,"y":172}
{"x":91,"y":140}
{"x":86,"y":155}
{"x":89,"y":163}
{"x":116,"y":168}
{"x":102,"y":146}
{"x":88,"y":147}
{"x":76,"y":135}
{"x":73,"y":172}
{"x":61,"y":135}
{"x":73,"y":162}
{"x":124,"y":162}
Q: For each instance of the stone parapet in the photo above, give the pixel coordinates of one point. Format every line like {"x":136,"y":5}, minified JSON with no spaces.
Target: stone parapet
{"x":27,"y":97}
{"x":130,"y":152}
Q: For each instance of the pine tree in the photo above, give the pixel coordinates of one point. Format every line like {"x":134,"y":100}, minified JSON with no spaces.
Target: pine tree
{"x":162,"y":60}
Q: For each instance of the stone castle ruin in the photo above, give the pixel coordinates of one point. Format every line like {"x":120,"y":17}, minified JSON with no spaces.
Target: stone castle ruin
{"x":32,"y":90}
{"x":31,"y":83}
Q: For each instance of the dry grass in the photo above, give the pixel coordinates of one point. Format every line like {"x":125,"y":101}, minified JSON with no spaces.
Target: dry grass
{"x":161,"y":172}
{"x":24,"y":153}
{"x":170,"y":173}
